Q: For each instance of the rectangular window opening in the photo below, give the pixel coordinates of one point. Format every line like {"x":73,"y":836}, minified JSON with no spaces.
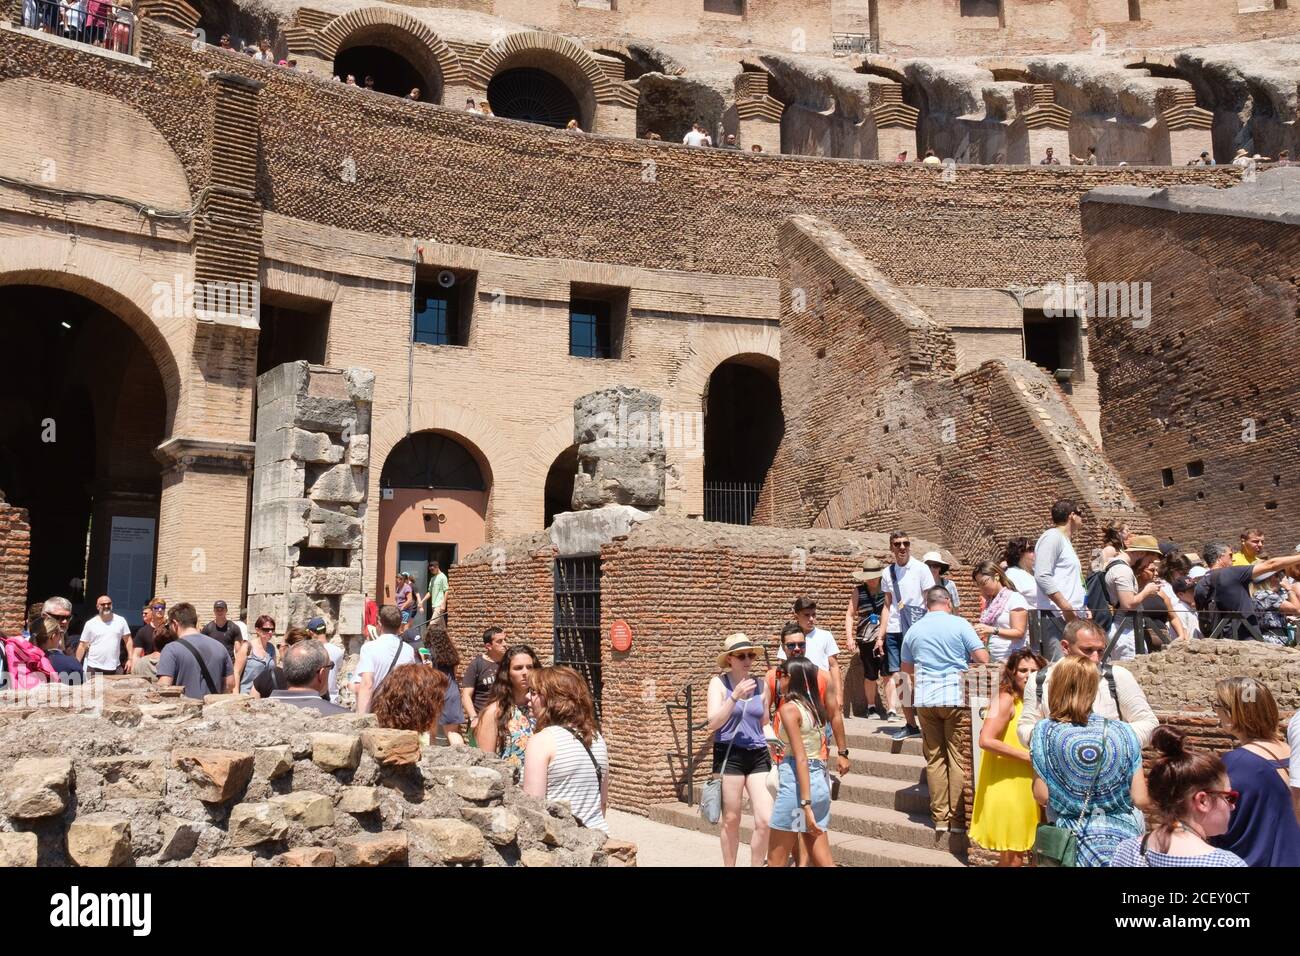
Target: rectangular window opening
{"x":1195,"y":469}
{"x":444,"y":305}
{"x":597,"y":318}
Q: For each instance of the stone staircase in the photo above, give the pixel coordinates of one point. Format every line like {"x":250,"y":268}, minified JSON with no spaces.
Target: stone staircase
{"x":882,"y":817}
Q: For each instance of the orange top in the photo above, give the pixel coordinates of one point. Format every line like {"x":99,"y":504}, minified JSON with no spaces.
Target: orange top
{"x":776,"y":715}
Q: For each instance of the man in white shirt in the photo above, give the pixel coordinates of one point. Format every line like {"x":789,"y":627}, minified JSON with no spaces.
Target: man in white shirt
{"x":379,"y":657}
{"x":1059,"y":577}
{"x":1119,"y":696}
{"x":102,"y":639}
{"x":697,"y":137}
{"x":905,"y":582}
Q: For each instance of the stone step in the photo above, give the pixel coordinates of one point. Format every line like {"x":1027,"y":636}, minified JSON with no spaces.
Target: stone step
{"x":878,"y":739}
{"x":848,"y":849}
{"x":884,"y":792}
{"x":894,"y":826}
{"x":892,"y":766}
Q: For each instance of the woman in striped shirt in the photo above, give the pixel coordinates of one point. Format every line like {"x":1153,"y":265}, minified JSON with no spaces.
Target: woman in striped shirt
{"x":567,"y":759}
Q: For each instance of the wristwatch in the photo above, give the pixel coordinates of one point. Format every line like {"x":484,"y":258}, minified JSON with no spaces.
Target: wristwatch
{"x":843,"y":753}
{"x":805,"y":803}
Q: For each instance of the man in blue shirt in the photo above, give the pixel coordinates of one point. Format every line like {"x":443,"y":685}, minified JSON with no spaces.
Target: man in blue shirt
{"x":936,"y":653}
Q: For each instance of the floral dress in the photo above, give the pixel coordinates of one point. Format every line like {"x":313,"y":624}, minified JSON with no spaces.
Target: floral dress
{"x":519,"y":727}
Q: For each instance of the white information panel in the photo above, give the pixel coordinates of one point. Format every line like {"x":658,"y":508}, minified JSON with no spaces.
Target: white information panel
{"x":130,"y":564}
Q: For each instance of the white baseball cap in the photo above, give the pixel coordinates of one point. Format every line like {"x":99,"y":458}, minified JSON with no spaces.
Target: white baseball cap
{"x":1196,"y":573}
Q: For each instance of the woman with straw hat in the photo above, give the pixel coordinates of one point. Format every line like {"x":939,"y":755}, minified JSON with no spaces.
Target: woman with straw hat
{"x":862,"y":625}
{"x":737,"y":712}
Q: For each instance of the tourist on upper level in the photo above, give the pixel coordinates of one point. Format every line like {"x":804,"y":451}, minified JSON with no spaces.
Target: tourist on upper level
{"x":412,"y":698}
{"x":1284,"y":157}
{"x":755,"y":148}
{"x":1004,"y":623}
{"x":939,"y":571}
{"x":567,"y":758}
{"x":1089,"y":160}
{"x":737,"y":714}
{"x":1087,"y":768}
{"x":937,"y":651}
{"x":802,"y":809}
{"x":470,"y":105}
{"x":507,"y":722}
{"x":931,"y":159}
{"x":99,"y":15}
{"x":1059,"y":577}
{"x":1005,"y":816}
{"x":696,"y":136}
{"x":572,"y":127}
{"x":822,"y":650}
{"x":1049,"y":159}
{"x":1191,"y":795}
{"x":306,"y":677}
{"x":1242,"y":158}
{"x":653,"y":136}
{"x":380,"y":657}
{"x":438,"y":652}
{"x":1118,"y":694}
{"x":905,"y":582}
{"x":222,"y":628}
{"x":1223,"y":595}
{"x":72,"y":18}
{"x":901,"y":157}
{"x":103,"y":639}
{"x":351,"y":80}
{"x":119,"y":34}
{"x":224,"y":42}
{"x":1264,"y":830}
{"x":861,"y":624}
{"x":414,"y":95}
{"x":1018,"y":560}
{"x":264,"y":52}
{"x":1205,"y":159}
{"x":369,"y":82}
{"x":255,"y":655}
{"x":477,"y":682}
{"x":485,"y":108}
{"x":1252,"y":547}
{"x":730,"y":142}
{"x":194,"y":661}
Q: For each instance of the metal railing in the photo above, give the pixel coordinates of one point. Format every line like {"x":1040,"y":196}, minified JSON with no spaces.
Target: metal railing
{"x":845,"y":44}
{"x":731,"y":502}
{"x":685,"y":701}
{"x":93,"y":22}
{"x":1151,"y":630}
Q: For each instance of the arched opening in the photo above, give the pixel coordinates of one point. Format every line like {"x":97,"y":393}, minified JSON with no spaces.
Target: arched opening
{"x":80,"y":414}
{"x":534,"y":96}
{"x":559,"y":484}
{"x":393,"y":72}
{"x":433,"y":495}
{"x":244,"y":26}
{"x":743,"y":425}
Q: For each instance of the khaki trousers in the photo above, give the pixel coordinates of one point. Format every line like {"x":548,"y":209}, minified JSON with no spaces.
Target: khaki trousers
{"x":942,"y":761}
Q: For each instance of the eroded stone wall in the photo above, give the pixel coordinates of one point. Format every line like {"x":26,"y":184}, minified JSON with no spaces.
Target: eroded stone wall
{"x":15,"y":551}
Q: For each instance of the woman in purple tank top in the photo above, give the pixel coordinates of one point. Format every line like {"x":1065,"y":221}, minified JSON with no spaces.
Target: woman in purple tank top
{"x":737,"y":712}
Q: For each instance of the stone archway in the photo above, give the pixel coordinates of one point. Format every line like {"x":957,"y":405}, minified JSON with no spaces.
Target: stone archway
{"x":403,"y":36}
{"x":556,"y":57}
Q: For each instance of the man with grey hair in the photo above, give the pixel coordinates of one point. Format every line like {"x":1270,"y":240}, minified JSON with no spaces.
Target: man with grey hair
{"x":57,"y":612}
{"x":306,"y":669}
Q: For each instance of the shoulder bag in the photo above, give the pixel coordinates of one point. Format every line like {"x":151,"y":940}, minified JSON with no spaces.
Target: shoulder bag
{"x":1057,"y":846}
{"x":203,"y":668}
{"x":711,"y":796}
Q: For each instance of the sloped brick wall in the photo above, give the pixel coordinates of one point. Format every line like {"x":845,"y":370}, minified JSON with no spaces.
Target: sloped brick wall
{"x":15,"y":551}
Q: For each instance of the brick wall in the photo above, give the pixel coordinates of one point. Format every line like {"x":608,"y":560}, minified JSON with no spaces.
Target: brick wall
{"x":1205,"y":381}
{"x":880,"y":433}
{"x":510,"y":588}
{"x":15,"y":549}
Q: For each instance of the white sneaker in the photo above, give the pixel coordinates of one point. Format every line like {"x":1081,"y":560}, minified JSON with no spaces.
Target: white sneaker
{"x":941,"y":828}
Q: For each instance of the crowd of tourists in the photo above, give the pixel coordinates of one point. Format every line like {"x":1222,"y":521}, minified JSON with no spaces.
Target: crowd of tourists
{"x":95,"y":22}
{"x":1060,"y":778}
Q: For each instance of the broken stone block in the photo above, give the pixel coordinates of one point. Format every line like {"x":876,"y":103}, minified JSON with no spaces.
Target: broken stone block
{"x":336,"y":751}
{"x":272,"y":762}
{"x":360,"y":384}
{"x":536,"y":827}
{"x":359,"y":799}
{"x":452,"y":841}
{"x":131,"y":777}
{"x":373,"y":849}
{"x":469,"y":783}
{"x":534,"y":858}
{"x":37,"y":787}
{"x":179,"y":838}
{"x":499,"y":824}
{"x":392,"y":748}
{"x":170,"y":711}
{"x":17,"y":849}
{"x":338,"y":483}
{"x":100,"y":839}
{"x":333,"y":529}
{"x":622,"y":851}
{"x":312,"y":810}
{"x":359,"y":451}
{"x":230,"y":859}
{"x":325,"y":580}
{"x":217,"y":775}
{"x":307,"y":856}
{"x":254,"y":823}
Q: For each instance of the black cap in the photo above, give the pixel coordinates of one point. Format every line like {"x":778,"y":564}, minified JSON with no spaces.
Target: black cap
{"x":219,"y":606}
{"x":804,"y":603}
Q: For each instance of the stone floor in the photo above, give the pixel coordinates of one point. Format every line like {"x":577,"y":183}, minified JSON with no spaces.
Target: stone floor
{"x":659,"y":844}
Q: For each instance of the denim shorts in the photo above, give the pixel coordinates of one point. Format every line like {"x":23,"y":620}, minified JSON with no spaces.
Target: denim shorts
{"x":893,"y":653}
{"x":787,"y":815}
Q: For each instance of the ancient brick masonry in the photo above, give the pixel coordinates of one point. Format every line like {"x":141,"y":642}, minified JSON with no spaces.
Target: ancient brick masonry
{"x":1199,"y":400}
{"x":15,"y":550}
{"x":161,"y":780}
{"x":881,"y":434}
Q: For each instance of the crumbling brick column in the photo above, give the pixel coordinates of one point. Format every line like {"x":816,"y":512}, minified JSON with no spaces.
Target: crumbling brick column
{"x":620,"y":443}
{"x":895,"y":122}
{"x":1186,"y":125}
{"x":758,"y":114}
{"x":1046,"y":122}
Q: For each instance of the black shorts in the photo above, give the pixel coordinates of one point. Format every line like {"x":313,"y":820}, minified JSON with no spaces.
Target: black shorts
{"x":873,"y":663}
{"x":741,"y":761}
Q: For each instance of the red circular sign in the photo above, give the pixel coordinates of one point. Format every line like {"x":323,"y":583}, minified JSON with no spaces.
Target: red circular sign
{"x":620,"y":636}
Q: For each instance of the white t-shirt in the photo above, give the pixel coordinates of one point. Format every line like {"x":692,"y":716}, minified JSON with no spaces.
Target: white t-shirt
{"x":1187,"y":615}
{"x":1293,"y":740}
{"x":1056,"y":563}
{"x":821,"y":645}
{"x":1024,"y":582}
{"x":695,"y":138}
{"x":1000,"y":648}
{"x":571,"y":775}
{"x":104,"y":642}
{"x":914,"y":578}
{"x":1119,"y":579}
{"x":336,"y":656}
{"x":377,"y":658}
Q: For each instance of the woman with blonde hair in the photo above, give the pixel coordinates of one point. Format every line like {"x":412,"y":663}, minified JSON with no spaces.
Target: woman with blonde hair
{"x":1006,"y":817}
{"x":566,"y":757}
{"x":1087,"y":768}
{"x":1264,"y":831}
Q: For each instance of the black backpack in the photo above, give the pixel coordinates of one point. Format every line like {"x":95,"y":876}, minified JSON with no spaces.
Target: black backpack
{"x":1096,"y":598}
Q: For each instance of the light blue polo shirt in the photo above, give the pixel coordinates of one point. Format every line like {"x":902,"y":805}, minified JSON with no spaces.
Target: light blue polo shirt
{"x":940,"y":645}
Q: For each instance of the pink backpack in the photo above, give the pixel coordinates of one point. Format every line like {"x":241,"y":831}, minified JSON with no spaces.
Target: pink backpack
{"x":28,"y":665}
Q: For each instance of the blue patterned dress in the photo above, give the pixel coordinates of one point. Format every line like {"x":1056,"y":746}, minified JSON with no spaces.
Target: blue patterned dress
{"x":1065,"y":756}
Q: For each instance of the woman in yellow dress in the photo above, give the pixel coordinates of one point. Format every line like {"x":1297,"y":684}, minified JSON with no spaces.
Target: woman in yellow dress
{"x":1006,"y":816}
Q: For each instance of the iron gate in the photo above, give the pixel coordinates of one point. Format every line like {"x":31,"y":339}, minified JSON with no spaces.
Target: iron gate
{"x":577,"y":619}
